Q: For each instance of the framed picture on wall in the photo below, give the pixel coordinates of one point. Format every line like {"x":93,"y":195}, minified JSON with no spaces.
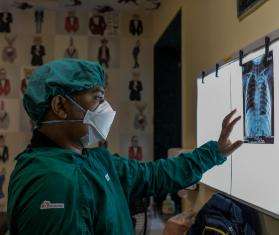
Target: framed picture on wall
{"x":246,"y":7}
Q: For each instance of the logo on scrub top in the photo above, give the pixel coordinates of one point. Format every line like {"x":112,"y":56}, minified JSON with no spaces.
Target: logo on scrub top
{"x":48,"y":205}
{"x":107,"y":177}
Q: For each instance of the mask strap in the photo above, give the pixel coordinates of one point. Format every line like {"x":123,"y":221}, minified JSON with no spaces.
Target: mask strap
{"x":75,"y":103}
{"x":54,"y":122}
{"x":79,"y":106}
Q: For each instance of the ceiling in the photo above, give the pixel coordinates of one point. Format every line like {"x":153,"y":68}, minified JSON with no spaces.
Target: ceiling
{"x":119,"y":5}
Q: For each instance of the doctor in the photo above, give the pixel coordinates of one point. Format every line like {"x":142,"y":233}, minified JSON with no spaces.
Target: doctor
{"x":61,"y":187}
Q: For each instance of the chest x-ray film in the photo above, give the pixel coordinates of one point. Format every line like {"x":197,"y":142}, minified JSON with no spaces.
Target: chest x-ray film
{"x":258,"y":100}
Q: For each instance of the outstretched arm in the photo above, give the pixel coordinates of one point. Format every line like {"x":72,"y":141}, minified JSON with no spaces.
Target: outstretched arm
{"x":170,"y":175}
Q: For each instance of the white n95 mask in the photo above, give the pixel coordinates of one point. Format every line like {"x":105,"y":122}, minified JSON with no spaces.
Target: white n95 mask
{"x":98,"y":121}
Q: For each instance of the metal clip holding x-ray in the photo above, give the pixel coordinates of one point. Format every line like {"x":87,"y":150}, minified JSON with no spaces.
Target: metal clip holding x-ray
{"x":217,"y":70}
{"x":241,"y":55}
{"x":267,"y":45}
{"x":203,"y":75}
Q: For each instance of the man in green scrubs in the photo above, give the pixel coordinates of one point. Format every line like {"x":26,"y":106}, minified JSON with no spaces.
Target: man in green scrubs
{"x":60,"y":187}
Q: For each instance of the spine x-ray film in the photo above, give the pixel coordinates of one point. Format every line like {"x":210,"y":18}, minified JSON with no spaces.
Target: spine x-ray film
{"x":258,"y":100}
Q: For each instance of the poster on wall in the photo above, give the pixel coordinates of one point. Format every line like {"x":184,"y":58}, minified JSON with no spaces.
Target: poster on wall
{"x":136,"y":146}
{"x":71,"y":22}
{"x":5,"y":84}
{"x":75,"y":47}
{"x":104,"y":53}
{"x":71,"y":51}
{"x":6,"y":19}
{"x":2,"y":181}
{"x":26,"y":72}
{"x":140,"y":119}
{"x":97,"y":24}
{"x":39,"y":19}
{"x":135,"y":149}
{"x":8,"y":151}
{"x":37,"y":52}
{"x":258,"y":100}
{"x":135,"y":87}
{"x":135,"y":54}
{"x":9,"y":82}
{"x":105,"y":50}
{"x":9,"y":53}
{"x":4,"y":116}
{"x":104,"y":23}
{"x":136,"y":25}
{"x":112,"y":20}
{"x":9,"y":109}
{"x":4,"y":150}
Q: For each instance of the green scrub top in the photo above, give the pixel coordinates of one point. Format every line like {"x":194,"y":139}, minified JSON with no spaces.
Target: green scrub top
{"x":57,"y":191}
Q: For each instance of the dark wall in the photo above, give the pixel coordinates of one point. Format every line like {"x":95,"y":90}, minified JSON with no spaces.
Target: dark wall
{"x":167,"y":90}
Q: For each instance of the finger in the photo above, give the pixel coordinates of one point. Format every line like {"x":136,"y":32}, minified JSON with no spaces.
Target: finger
{"x":233,"y":122}
{"x":229,"y":128}
{"x":228,"y":117}
{"x":234,"y":147}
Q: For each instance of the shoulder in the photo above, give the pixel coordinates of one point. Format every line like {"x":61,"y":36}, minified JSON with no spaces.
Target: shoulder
{"x":33,"y":175}
{"x":43,"y":164}
{"x":39,"y":155}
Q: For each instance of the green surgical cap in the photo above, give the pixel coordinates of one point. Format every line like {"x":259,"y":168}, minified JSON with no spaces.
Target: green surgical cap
{"x":59,"y":77}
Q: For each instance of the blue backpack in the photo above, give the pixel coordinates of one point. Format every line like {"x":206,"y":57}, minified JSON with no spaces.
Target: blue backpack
{"x":221,"y":216}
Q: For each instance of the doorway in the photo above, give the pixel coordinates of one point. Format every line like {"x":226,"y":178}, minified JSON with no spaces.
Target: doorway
{"x":167,"y":90}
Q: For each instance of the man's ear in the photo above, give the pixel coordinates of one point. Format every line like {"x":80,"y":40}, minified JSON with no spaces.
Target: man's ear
{"x":58,"y":106}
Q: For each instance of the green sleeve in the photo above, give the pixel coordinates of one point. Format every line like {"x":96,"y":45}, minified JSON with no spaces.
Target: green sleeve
{"x":49,"y":205}
{"x":167,"y":175}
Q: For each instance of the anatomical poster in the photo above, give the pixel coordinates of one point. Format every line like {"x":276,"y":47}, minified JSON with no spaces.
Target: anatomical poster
{"x":258,"y":100}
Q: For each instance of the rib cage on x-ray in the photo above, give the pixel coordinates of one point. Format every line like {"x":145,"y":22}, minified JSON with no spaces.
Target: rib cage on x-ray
{"x":258,"y":103}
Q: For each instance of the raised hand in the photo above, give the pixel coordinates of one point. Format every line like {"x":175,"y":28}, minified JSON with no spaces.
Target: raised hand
{"x":225,"y":146}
